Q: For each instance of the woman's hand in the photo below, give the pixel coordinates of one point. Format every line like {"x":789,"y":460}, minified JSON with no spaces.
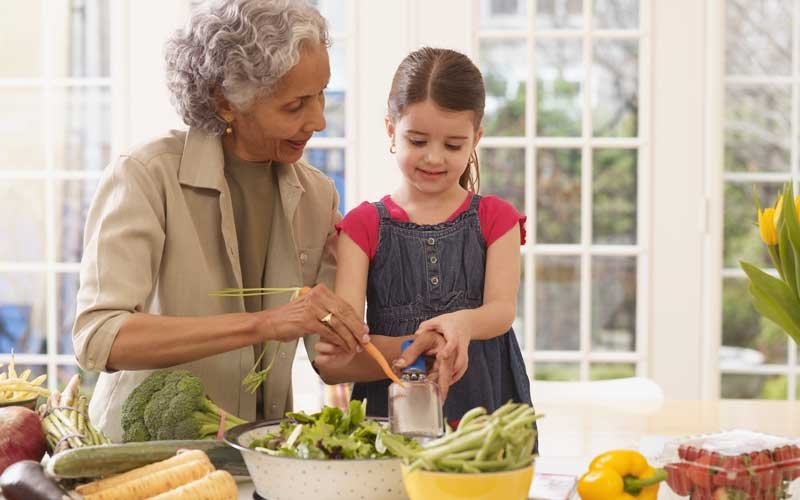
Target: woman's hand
{"x":430,"y":343}
{"x":457,"y":337}
{"x":305,"y":315}
{"x":332,"y":356}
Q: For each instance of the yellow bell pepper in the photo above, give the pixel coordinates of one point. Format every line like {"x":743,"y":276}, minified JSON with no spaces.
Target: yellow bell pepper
{"x":620,"y":475}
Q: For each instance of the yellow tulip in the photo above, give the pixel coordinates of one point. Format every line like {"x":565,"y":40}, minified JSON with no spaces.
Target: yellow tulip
{"x":797,"y":207}
{"x":766,"y":225}
{"x":778,"y":209}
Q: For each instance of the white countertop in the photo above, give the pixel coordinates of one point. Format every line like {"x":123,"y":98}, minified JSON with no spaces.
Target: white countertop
{"x":572,"y":433}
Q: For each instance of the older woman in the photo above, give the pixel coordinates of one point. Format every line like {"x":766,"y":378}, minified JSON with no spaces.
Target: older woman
{"x":228,"y":203}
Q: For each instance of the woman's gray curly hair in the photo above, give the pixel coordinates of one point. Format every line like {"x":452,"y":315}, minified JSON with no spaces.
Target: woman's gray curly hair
{"x":242,"y":47}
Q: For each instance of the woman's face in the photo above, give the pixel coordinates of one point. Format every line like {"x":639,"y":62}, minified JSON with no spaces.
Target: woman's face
{"x":277,"y":126}
{"x":433,"y":146}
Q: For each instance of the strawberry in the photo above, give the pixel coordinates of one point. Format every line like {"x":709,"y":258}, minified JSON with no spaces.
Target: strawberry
{"x":677,"y":478}
{"x":700,"y":472}
{"x":766,"y":476}
{"x":690,"y":453}
{"x":732,"y":473}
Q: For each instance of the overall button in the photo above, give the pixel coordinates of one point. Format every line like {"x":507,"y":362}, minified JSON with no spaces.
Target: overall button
{"x":431,"y":241}
{"x":303,"y":257}
{"x":435,"y":280}
{"x":283,"y":354}
{"x":434,"y":260}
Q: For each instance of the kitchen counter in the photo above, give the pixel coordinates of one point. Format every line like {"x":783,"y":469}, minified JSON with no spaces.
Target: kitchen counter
{"x":572,"y":433}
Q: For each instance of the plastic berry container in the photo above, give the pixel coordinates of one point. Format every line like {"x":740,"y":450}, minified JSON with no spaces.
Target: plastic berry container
{"x":735,"y":464}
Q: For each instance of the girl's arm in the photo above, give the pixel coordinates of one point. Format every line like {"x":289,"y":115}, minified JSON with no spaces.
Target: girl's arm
{"x":500,"y":288}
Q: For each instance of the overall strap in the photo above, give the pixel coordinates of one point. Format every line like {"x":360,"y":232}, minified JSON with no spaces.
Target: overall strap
{"x":473,"y":204}
{"x":382,"y":211}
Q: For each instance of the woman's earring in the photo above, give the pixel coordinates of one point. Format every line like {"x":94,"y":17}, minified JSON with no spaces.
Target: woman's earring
{"x":229,"y":128}
{"x":393,"y":148}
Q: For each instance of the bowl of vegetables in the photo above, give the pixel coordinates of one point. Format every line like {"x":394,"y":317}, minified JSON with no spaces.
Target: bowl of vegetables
{"x":332,"y":454}
{"x":489,"y":456}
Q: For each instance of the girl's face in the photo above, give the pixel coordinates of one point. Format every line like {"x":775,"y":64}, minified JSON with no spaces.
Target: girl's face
{"x":433,"y":145}
{"x":277,"y":126}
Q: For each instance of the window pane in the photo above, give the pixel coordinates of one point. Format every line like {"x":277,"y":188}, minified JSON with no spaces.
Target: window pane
{"x":503,"y":14}
{"x":608,"y":371}
{"x":614,"y":304}
{"x":503,"y":174}
{"x":741,"y":237}
{"x":559,"y":14}
{"x":335,"y":13}
{"x":331,"y":162}
{"x":22,"y":128}
{"x":615,"y":88}
{"x":67,"y":291}
{"x":558,"y":300}
{"x":616,"y":14}
{"x":505,"y":67}
{"x":566,"y":372}
{"x":558,"y":196}
{"x":746,"y":386}
{"x":83,"y":128}
{"x":758,"y":128}
{"x":748,"y":339}
{"x":22,"y":208}
{"x":335,"y":93}
{"x":559,"y":73}
{"x":21,"y":28}
{"x":81,"y":38}
{"x":22,"y":313}
{"x":758,"y":41}
{"x":72,"y":200}
{"x":614,"y":196}
{"x":88,"y":379}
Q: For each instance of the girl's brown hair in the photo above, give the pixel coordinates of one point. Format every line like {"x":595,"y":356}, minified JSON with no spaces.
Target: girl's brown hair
{"x":452,"y":81}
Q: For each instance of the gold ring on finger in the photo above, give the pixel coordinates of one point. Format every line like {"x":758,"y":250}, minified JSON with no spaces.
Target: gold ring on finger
{"x":327,"y":318}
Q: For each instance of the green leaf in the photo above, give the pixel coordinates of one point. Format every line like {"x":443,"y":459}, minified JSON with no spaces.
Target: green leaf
{"x":775,"y":298}
{"x":772,"y":311}
{"x":787,"y":258}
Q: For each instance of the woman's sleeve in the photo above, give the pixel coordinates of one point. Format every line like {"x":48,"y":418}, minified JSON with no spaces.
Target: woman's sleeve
{"x":497,"y":217}
{"x":361,"y":225}
{"x":123,"y":245}
{"x":327,"y":267}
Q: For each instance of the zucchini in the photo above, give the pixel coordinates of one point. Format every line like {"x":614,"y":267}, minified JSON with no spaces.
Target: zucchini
{"x":108,"y":459}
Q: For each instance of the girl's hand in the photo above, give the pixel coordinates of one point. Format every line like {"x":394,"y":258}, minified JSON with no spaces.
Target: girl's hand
{"x":331,"y":356}
{"x":457,"y":337}
{"x":304,"y":315}
{"x":430,"y":343}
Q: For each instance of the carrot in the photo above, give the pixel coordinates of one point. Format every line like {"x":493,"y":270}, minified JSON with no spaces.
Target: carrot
{"x":219,"y":485}
{"x":156,"y":483}
{"x":103,"y":484}
{"x":377,"y":356}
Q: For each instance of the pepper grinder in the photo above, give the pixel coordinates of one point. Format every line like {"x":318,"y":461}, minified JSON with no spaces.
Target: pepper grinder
{"x":415,"y":410}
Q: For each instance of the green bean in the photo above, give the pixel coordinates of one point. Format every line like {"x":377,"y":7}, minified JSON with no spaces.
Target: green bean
{"x":470,"y":415}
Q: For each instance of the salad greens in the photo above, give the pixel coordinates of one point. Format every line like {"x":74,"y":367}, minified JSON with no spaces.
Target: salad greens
{"x":334,"y":434}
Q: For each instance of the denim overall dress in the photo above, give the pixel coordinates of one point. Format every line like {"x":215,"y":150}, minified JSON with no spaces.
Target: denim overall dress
{"x":423,"y":271}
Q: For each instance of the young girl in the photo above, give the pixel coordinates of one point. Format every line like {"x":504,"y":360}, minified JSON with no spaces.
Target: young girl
{"x":434,"y":256}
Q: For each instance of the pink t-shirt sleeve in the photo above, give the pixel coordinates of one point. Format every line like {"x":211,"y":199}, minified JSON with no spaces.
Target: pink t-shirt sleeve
{"x":361,"y":225}
{"x":498,"y":217}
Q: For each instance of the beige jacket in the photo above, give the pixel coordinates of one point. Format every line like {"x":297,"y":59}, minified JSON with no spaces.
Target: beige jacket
{"x":160,"y":235}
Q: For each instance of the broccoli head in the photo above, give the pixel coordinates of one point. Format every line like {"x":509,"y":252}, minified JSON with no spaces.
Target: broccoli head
{"x":173,"y":406}
{"x":133,"y":408}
